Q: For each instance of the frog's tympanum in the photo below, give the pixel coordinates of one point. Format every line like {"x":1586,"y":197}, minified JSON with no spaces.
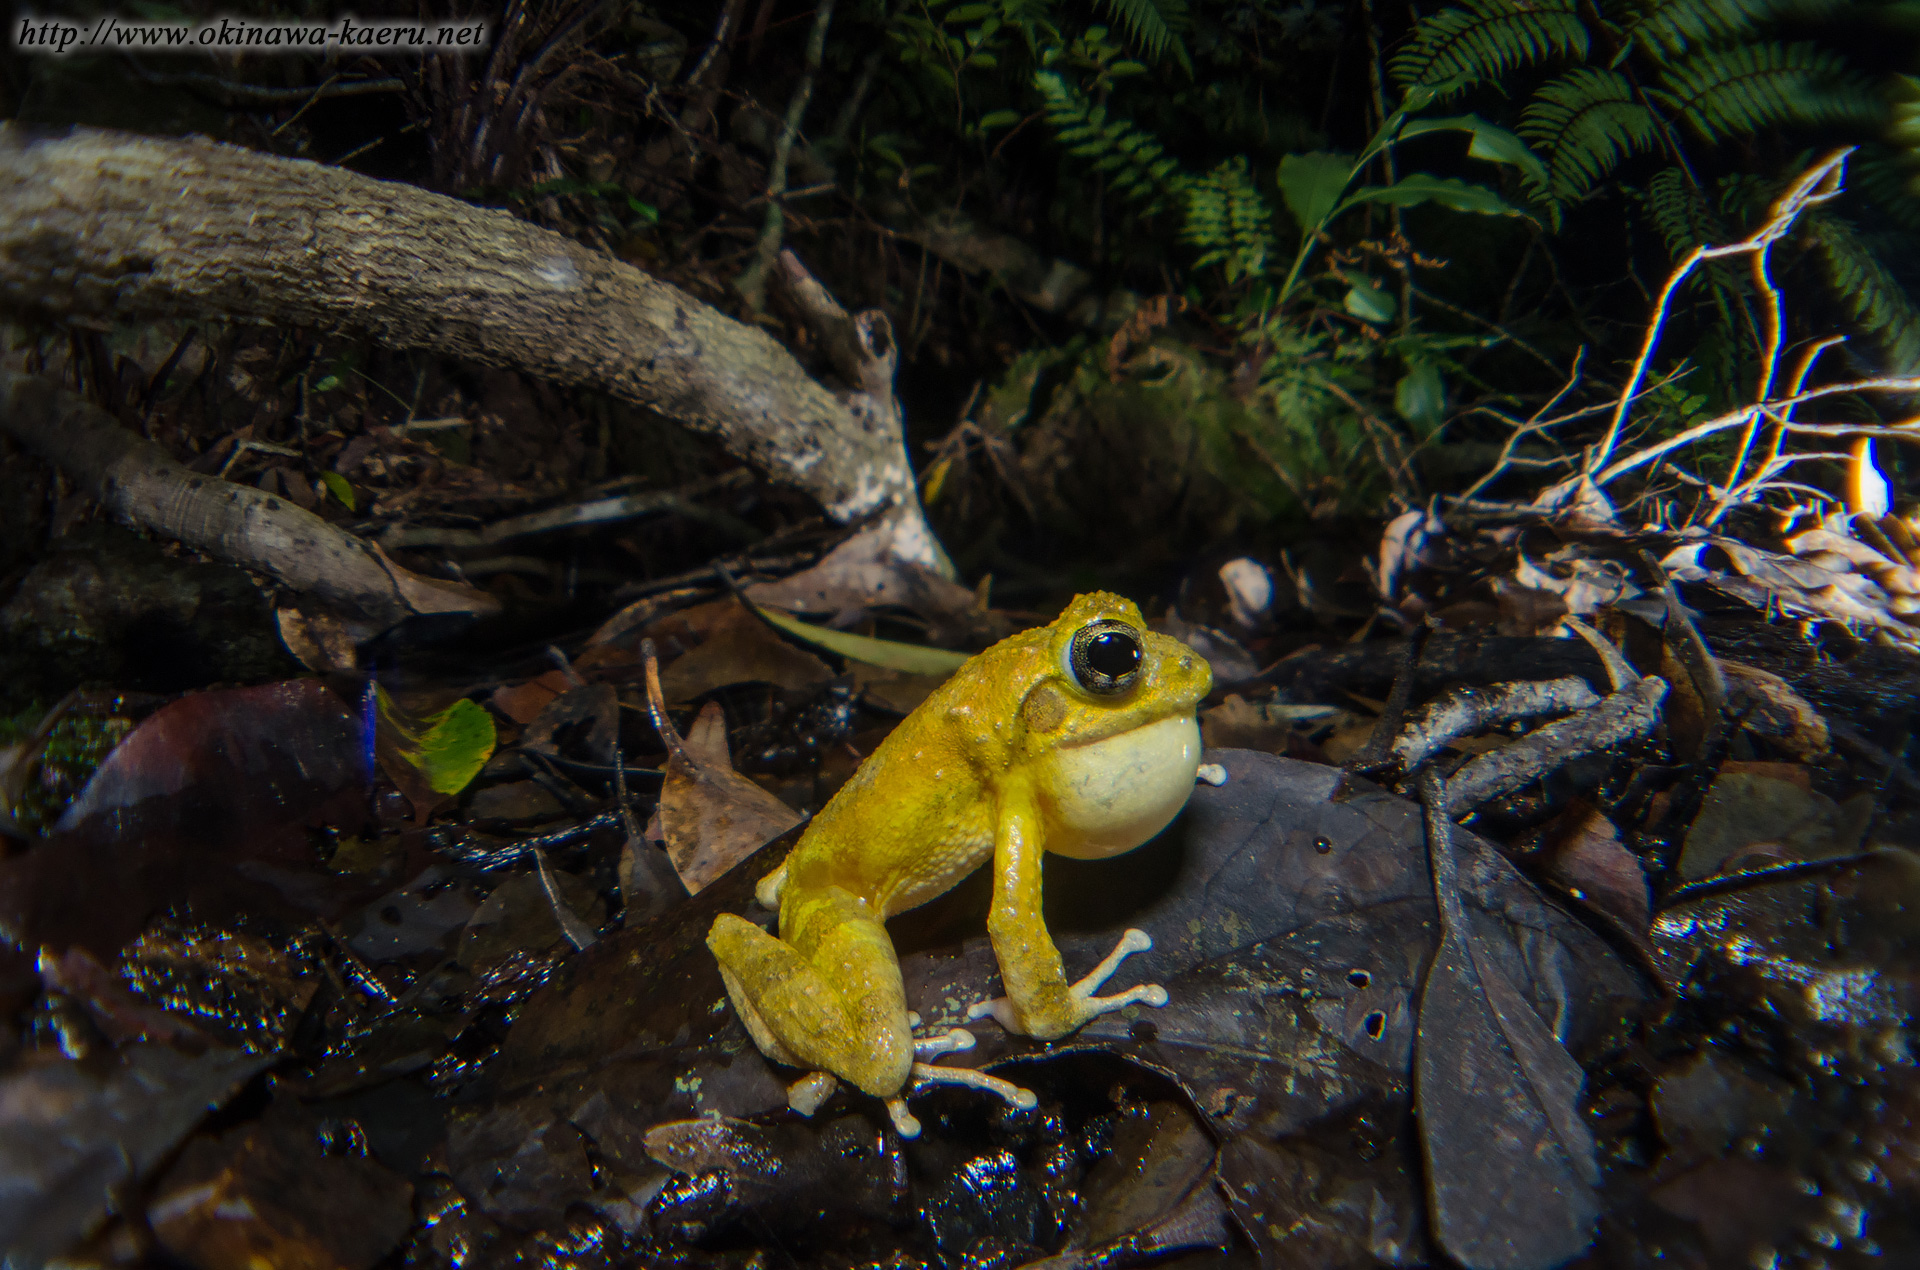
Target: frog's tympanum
{"x":1078,"y":737}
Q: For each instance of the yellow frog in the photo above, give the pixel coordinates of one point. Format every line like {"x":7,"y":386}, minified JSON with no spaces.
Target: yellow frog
{"x":1079,"y":738}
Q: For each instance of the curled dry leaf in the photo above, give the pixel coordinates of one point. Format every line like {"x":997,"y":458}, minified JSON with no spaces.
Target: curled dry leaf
{"x":712,"y":816}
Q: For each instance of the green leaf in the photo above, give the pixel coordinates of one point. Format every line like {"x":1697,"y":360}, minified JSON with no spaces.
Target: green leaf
{"x":1311,"y":184}
{"x":1490,"y":142}
{"x":1421,"y":187}
{"x":645,"y":211}
{"x":447,"y":749}
{"x":967,"y":13}
{"x":328,"y":384}
{"x":1421,"y":395}
{"x":891,"y":654}
{"x":999,"y":119}
{"x":1368,"y":302}
{"x":338,"y":486}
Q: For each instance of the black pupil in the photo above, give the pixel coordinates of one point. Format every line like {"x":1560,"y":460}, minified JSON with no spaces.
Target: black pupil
{"x":1114,"y":654}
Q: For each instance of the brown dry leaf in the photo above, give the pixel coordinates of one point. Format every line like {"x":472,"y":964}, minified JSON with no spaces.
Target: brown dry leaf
{"x":1526,"y":610}
{"x":596,"y":705}
{"x":860,"y":573}
{"x":317,"y":638}
{"x":1349,"y":735}
{"x":894,"y":689}
{"x":523,"y":702}
{"x":1774,"y":710}
{"x":1270,"y":726}
{"x":711,"y":816}
{"x":1752,"y":809}
{"x":1239,"y":724}
{"x":1581,"y":854}
{"x":1686,"y":714}
{"x":740,"y":648}
{"x":707,"y":738}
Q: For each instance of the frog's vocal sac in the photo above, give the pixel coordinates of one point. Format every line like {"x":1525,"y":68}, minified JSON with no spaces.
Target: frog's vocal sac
{"x":1077,"y":737}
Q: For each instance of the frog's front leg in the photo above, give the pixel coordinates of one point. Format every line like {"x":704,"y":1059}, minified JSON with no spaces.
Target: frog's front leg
{"x":1039,"y":1001}
{"x":828,"y":997}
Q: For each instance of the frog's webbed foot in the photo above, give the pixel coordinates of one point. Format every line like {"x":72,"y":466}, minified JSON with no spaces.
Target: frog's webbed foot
{"x":926,"y":1074}
{"x":1087,"y":1006}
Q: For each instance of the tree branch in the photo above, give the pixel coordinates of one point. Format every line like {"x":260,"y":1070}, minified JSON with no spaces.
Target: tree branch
{"x":98,"y":226}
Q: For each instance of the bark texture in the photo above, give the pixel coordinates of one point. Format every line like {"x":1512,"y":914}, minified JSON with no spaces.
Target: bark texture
{"x":98,"y":225}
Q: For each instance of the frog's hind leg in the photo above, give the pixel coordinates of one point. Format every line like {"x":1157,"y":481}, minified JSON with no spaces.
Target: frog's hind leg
{"x":831,"y":999}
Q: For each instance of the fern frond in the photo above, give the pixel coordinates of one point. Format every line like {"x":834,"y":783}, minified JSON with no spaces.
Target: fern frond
{"x":1665,"y":29}
{"x":1151,"y":25}
{"x":1680,"y":211}
{"x":1486,"y":39}
{"x":1137,"y":165}
{"x":1867,"y":290}
{"x":1229,"y":221}
{"x":1724,"y":92}
{"x":1584,"y":123}
{"x":1888,"y":180}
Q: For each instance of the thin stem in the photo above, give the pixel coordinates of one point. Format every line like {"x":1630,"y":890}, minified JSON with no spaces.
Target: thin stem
{"x":753,"y":282}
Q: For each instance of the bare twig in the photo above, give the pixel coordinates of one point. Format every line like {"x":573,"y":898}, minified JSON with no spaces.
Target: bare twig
{"x":1631,"y":712}
{"x":753,"y":283}
{"x":1818,"y":184}
{"x":1462,"y":711}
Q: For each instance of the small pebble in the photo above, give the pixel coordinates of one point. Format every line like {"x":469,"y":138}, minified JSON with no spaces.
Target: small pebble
{"x":1212,"y":774}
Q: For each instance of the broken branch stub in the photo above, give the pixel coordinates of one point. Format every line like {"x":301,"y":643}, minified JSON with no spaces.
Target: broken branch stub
{"x":98,"y":226}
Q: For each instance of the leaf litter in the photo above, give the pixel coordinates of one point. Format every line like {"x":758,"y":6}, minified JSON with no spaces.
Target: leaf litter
{"x":556,"y":983}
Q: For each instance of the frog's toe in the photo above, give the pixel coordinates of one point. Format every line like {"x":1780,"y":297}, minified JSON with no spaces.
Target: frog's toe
{"x":903,"y":1122}
{"x":1000,"y":1010}
{"x":808,"y":1093}
{"x":1131,"y":942}
{"x":1022,"y":1099}
{"x":1088,"y":1006}
{"x":930,"y":1047}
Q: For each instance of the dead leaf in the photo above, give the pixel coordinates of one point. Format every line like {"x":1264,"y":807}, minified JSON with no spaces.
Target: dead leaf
{"x":862,"y":572}
{"x":895,"y":689}
{"x":1581,"y":855}
{"x":1526,"y":610}
{"x":523,"y":702}
{"x":711,"y":816}
{"x":1774,"y":710}
{"x":739,"y":648}
{"x":595,"y":705}
{"x":1749,"y":811}
{"x":317,"y":638}
{"x":1487,"y":1070}
{"x":207,"y":801}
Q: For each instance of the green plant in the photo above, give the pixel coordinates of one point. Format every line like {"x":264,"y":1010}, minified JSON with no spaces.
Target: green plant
{"x":1707,"y":67}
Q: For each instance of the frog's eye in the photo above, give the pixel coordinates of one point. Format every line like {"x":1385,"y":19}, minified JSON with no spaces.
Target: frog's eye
{"x":1105,"y":657}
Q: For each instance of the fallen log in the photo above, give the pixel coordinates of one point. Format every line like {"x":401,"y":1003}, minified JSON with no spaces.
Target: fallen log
{"x":99,"y":227}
